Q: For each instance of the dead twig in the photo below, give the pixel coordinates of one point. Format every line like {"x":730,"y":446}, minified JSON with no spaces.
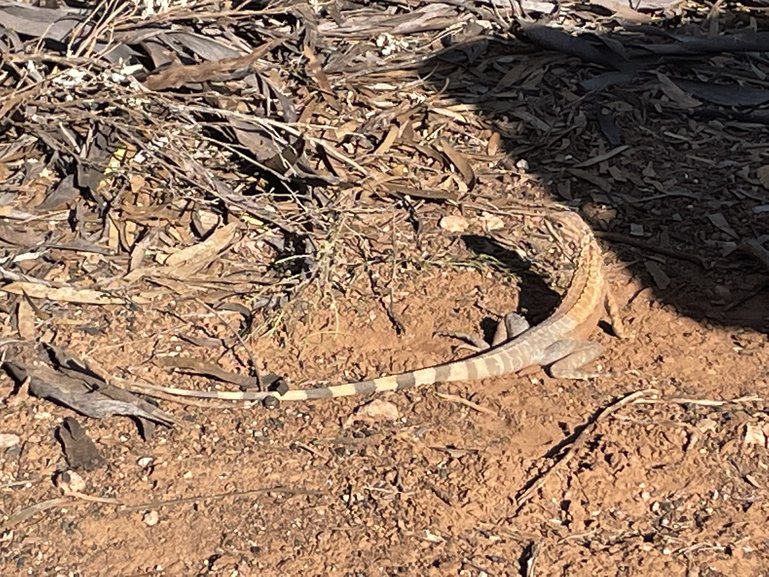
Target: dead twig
{"x":252,"y":361}
{"x":467,"y":403}
{"x":579,"y":441}
{"x":291,"y":491}
{"x":701,"y":402}
{"x":651,"y":247}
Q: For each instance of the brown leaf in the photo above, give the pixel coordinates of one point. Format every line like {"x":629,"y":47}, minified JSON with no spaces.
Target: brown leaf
{"x":66,"y":294}
{"x":763,"y":176}
{"x":189,"y":260}
{"x":675,"y":93}
{"x":661,"y":279}
{"x":388,"y":141}
{"x":459,"y":160}
{"x":25,"y":320}
{"x":178,"y":75}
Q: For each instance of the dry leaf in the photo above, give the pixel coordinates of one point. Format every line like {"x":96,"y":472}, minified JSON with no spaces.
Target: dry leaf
{"x":602,"y":157}
{"x":459,"y":160}
{"x":756,"y":434}
{"x":204,"y":222}
{"x":661,"y":279}
{"x":67,"y":294}
{"x":388,"y":141}
{"x":25,"y":320}
{"x":493,"y":145}
{"x":719,"y":221}
{"x":137,"y":183}
{"x":492,"y":222}
{"x":763,"y":176}
{"x":675,"y":93}
{"x":193,"y":258}
{"x":138,"y":252}
{"x":454,"y":223}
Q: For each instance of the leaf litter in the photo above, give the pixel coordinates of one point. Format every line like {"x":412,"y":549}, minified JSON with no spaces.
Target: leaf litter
{"x":230,"y":170}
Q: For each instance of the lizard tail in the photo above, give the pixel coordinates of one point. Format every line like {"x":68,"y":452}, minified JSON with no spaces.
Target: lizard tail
{"x":489,"y":364}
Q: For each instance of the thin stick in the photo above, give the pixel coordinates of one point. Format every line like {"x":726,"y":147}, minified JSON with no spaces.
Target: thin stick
{"x":651,"y":247}
{"x":535,"y":484}
{"x":701,"y":402}
{"x":254,"y":367}
{"x":182,"y":500}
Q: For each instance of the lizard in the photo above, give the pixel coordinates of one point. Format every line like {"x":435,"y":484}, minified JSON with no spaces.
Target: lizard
{"x":557,"y":343}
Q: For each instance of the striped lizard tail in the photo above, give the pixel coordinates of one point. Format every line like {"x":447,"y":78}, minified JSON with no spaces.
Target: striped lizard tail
{"x":488,"y":364}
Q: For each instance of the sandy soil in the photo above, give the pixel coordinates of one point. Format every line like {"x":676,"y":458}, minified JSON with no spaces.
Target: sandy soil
{"x":428,"y":482}
{"x":658,"y":467}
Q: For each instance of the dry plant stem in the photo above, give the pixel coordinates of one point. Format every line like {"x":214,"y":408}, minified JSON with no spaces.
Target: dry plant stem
{"x":701,"y":402}
{"x":149,"y":391}
{"x":467,"y":403}
{"x":27,"y":512}
{"x":537,"y":483}
{"x":237,"y":336}
{"x":630,"y":241}
{"x":216,"y":496}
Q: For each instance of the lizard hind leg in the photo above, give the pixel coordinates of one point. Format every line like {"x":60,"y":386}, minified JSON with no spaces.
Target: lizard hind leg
{"x":615,"y":320}
{"x":510,"y":327}
{"x":565,"y":359}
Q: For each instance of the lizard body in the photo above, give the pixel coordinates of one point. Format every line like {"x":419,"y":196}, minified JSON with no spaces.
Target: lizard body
{"x":557,"y":342}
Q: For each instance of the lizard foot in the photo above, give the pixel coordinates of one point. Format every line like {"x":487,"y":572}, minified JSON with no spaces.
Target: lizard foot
{"x":471,"y":342}
{"x":511,"y":326}
{"x":566,"y":358}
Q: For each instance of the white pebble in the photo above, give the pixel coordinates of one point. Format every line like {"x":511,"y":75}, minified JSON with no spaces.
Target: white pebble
{"x":151,"y":518}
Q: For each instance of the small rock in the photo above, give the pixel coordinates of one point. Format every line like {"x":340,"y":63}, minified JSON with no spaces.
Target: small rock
{"x":8,"y":440}
{"x":70,"y":482}
{"x":145,"y":462}
{"x":151,"y":518}
{"x":453,"y":223}
{"x":379,"y":409}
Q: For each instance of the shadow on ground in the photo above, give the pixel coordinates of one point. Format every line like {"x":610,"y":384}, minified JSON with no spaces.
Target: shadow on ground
{"x":643,"y":142}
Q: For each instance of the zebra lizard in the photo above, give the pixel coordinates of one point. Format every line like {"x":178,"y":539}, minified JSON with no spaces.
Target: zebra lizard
{"x":557,"y":343}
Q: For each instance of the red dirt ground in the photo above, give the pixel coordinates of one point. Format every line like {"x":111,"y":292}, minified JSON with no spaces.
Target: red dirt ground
{"x":672,"y":483}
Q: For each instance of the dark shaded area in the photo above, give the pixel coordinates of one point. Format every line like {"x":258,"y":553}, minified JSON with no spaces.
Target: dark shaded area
{"x":635,"y":125}
{"x":537,"y":299}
